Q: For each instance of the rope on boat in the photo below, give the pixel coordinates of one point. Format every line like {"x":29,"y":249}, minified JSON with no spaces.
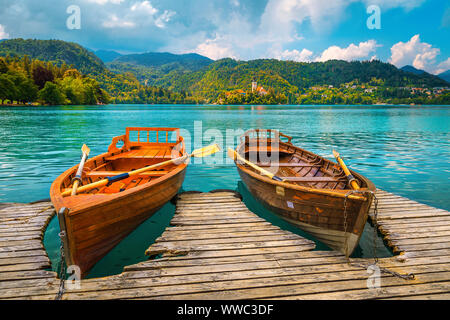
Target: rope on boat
{"x":406,"y":276}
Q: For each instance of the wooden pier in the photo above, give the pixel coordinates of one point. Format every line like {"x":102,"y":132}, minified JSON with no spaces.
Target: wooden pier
{"x":216,"y":248}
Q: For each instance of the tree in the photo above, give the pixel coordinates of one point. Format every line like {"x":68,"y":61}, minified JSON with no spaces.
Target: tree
{"x":51,"y":94}
{"x":41,"y":75}
{"x":3,"y":66}
{"x":8,"y":90}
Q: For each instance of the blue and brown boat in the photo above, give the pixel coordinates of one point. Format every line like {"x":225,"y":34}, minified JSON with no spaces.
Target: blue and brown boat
{"x":317,"y":195}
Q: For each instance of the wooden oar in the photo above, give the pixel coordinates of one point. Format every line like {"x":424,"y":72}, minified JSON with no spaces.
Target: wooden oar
{"x":350,"y":177}
{"x":234,"y":155}
{"x":77,"y":179}
{"x":199,"y":153}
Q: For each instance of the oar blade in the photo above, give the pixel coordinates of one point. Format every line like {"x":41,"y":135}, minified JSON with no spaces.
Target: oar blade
{"x":231,"y":153}
{"x":85,"y":149}
{"x":335,"y":154}
{"x":206,"y":151}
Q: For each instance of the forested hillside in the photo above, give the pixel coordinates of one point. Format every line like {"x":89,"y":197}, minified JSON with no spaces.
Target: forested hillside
{"x":191,"y":78}
{"x":58,"y":56}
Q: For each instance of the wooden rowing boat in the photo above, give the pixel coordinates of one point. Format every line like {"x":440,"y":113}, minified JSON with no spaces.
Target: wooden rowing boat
{"x":315,"y":194}
{"x":96,"y":220}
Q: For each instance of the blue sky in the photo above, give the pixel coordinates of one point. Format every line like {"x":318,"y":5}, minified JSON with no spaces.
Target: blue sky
{"x":414,"y":32}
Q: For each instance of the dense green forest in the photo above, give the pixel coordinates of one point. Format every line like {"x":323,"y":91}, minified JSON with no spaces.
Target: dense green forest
{"x":89,"y":81}
{"x":26,"y":80}
{"x":71,"y":74}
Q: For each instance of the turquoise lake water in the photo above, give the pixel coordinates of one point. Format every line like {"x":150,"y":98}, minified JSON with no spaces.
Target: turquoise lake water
{"x":403,"y":149}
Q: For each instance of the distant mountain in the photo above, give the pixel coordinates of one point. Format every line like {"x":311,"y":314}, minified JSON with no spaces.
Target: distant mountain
{"x":445,"y":75}
{"x":153,"y":66}
{"x":56,"y":51}
{"x":157,"y":59}
{"x":411,"y":69}
{"x":107,"y":55}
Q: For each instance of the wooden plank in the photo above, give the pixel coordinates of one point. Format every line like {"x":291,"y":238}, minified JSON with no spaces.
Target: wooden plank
{"x":243,"y":235}
{"x":418,"y":247}
{"x":162,"y":247}
{"x":25,"y":266}
{"x":21,"y":260}
{"x":401,"y":235}
{"x":25,"y":274}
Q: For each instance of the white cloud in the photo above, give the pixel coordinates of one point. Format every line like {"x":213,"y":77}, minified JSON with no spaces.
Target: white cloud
{"x":3,"y":33}
{"x":115,"y":22}
{"x":215,"y":49}
{"x":420,"y":55}
{"x":161,"y":21}
{"x":443,"y":66}
{"x":139,"y":14}
{"x":103,"y":2}
{"x":389,"y":4}
{"x":294,"y":55}
{"x":352,"y":52}
{"x":144,"y":7}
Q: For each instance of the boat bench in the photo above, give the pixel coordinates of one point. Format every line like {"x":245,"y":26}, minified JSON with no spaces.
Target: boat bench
{"x":100,"y":174}
{"x":165,"y":153}
{"x":267,"y":149}
{"x":314,"y":179}
{"x":275,"y":164}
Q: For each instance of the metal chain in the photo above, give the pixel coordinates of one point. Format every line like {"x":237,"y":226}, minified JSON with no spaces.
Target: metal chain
{"x":345,"y":229}
{"x":62,"y":268}
{"x":409,"y":276}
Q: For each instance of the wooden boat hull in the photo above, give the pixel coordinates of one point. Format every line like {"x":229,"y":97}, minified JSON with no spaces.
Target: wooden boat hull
{"x":96,"y":230}
{"x":329,"y":215}
{"x":318,"y":215}
{"x":96,"y":223}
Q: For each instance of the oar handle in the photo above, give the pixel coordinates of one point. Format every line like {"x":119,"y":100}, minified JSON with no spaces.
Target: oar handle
{"x":234,"y":155}
{"x":77,"y":179}
{"x":350,"y":177}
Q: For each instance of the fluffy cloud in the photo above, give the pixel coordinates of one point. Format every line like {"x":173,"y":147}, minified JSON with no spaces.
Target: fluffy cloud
{"x":215,"y":49}
{"x":243,"y":29}
{"x":389,"y":4}
{"x":364,"y":50}
{"x":443,"y":66}
{"x":420,"y":55}
{"x":3,"y":34}
{"x":294,"y":55}
{"x":352,"y":52}
{"x":139,"y":14}
{"x":280,"y":17}
{"x":115,"y":22}
{"x":161,"y":21}
{"x":144,"y":7}
{"x":103,"y":2}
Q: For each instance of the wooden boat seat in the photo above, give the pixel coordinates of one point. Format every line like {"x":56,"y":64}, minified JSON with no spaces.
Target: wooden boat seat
{"x":275,"y":164}
{"x":125,"y":156}
{"x":268,"y":149}
{"x":144,"y":153}
{"x":101,"y":174}
{"x":314,"y":179}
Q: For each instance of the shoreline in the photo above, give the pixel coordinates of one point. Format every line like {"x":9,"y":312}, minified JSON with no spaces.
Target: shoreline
{"x":227,"y":105}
